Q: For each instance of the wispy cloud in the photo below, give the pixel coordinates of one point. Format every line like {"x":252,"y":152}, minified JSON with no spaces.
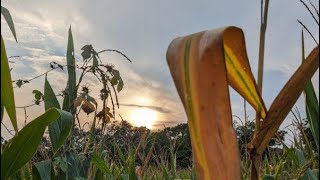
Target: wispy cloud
{"x":156,"y":108}
{"x":143,"y":30}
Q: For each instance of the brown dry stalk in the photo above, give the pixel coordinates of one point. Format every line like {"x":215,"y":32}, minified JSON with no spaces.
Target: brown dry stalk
{"x":284,"y":102}
{"x":263,"y":27}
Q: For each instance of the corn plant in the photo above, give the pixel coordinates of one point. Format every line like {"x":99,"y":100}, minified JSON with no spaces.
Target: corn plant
{"x":202,"y":66}
{"x":20,"y":149}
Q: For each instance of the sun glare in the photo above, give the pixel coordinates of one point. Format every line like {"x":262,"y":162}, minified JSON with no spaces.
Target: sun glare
{"x":143,"y":117}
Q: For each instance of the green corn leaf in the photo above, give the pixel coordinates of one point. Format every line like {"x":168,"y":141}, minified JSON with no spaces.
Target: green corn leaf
{"x":60,"y":129}
{"x":99,"y":163}
{"x":268,"y":171}
{"x":121,"y":156}
{"x":26,"y":172}
{"x":131,"y":163}
{"x":311,"y":104}
{"x":268,"y":177}
{"x":125,"y":176}
{"x":74,"y":164}
{"x":42,"y":170}
{"x":308,"y":175}
{"x":7,"y":96}
{"x":2,"y":110}
{"x":7,"y":16}
{"x":71,"y":85}
{"x":23,"y":146}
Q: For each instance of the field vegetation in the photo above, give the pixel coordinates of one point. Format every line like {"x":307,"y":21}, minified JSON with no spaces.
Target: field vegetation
{"x":114,"y":149}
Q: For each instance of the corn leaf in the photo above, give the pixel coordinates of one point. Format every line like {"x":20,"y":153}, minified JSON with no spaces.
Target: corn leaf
{"x":202,"y":66}
{"x":71,"y":85}
{"x":21,"y":148}
{"x":7,"y":96}
{"x":99,"y":163}
{"x":42,"y":170}
{"x":285,"y":100}
{"x":268,"y":177}
{"x":311,"y":104}
{"x":239,"y":72}
{"x":7,"y":16}
{"x":308,"y":174}
{"x":60,"y":129}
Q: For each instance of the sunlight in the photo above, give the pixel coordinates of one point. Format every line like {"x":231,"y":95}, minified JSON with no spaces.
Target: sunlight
{"x":143,"y":117}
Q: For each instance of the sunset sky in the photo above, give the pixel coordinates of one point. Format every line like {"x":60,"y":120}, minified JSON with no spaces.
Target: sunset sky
{"x":143,"y":29}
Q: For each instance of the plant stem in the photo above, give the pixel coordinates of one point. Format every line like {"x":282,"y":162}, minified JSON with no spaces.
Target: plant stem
{"x":263,"y":27}
{"x":256,"y":159}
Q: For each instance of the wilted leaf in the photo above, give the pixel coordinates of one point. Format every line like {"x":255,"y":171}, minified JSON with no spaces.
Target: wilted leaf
{"x":85,"y":55}
{"x":7,"y":96}
{"x":19,"y":83}
{"x":87,"y":48}
{"x":78,"y":101}
{"x":37,"y":95}
{"x":285,"y":100}
{"x":87,"y":107}
{"x":91,"y":99}
{"x":60,"y":66}
{"x":202,"y":66}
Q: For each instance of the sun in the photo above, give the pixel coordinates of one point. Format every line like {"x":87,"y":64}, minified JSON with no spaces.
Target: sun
{"x":143,"y":117}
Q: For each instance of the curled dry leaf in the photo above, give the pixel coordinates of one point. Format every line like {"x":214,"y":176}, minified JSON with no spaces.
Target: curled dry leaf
{"x":202,"y":66}
{"x":105,"y":115}
{"x":78,"y":101}
{"x":87,"y":107}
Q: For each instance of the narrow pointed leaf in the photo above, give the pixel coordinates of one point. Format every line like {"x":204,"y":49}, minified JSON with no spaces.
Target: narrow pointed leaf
{"x":311,"y":104}
{"x":285,"y":100}
{"x":71,"y":86}
{"x":60,"y":129}
{"x":7,"y":16}
{"x":99,"y":163}
{"x":7,"y":96}
{"x":21,"y":148}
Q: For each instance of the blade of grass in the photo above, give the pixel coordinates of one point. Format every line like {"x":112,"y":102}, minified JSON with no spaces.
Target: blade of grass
{"x":7,"y":16}
{"x":311,"y":104}
{"x":305,"y":27}
{"x":71,"y":86}
{"x":7,"y":95}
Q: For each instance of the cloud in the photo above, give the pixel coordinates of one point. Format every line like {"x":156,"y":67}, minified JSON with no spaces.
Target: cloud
{"x":156,"y":108}
{"x":143,"y":30}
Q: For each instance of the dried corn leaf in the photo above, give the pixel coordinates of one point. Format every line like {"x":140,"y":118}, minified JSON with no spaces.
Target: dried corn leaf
{"x":202,"y":66}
